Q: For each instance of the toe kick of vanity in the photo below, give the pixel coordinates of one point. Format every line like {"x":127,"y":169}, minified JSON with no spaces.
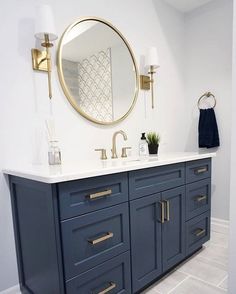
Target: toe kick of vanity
{"x":114,"y":233}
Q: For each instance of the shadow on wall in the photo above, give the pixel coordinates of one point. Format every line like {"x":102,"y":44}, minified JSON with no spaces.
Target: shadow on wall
{"x":170,"y":31}
{"x":25,"y":34}
{"x":192,"y":138}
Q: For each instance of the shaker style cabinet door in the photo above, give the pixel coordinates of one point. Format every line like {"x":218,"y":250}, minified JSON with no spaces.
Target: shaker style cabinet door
{"x":173,"y":229}
{"x":145,"y":220}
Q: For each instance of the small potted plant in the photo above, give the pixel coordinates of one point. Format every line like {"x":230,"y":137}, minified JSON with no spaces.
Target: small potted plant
{"x":153,"y":140}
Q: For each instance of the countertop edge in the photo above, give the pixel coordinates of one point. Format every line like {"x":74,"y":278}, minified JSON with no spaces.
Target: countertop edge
{"x":59,"y":178}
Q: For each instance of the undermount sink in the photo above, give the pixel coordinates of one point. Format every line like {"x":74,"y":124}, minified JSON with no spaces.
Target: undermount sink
{"x":138,"y":159}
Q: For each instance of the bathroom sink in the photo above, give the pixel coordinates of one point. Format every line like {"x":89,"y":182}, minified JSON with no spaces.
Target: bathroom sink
{"x":138,"y":159}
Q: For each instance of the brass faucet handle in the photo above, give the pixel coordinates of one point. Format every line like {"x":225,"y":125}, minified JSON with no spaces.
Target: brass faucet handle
{"x":103,"y":153}
{"x":124,"y":154}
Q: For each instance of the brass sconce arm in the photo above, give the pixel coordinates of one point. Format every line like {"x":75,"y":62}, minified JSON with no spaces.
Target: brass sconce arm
{"x":47,"y":45}
{"x":45,"y":32}
{"x":151,"y":62}
{"x":41,"y":60}
{"x":152,"y":72}
{"x":146,"y":83}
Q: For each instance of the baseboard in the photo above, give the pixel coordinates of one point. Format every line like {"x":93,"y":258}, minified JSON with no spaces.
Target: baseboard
{"x":12,"y":290}
{"x":220,"y":222}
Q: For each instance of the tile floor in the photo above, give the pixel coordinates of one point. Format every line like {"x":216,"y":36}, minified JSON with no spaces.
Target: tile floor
{"x":205,"y":272}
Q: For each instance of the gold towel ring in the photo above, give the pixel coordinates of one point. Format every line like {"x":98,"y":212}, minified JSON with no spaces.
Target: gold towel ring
{"x":207,"y":94}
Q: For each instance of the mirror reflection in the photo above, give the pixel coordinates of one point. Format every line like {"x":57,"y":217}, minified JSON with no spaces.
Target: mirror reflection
{"x":97,"y":71}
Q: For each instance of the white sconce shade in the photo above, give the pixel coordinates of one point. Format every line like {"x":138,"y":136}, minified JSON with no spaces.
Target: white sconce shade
{"x":45,"y":23}
{"x":46,"y":33}
{"x":151,"y":63}
{"x":152,"y":58}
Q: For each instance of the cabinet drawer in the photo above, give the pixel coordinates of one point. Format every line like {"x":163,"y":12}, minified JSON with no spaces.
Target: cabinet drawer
{"x":198,"y":198}
{"x":87,"y":195}
{"x":112,"y":276}
{"x":153,"y":180}
{"x":198,"y":232}
{"x":93,"y":238}
{"x":198,"y":170}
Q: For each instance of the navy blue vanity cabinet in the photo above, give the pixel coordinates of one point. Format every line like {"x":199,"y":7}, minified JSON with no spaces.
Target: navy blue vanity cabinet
{"x":198,"y":198}
{"x":173,"y":228}
{"x":198,"y":232}
{"x":145,"y":221}
{"x":113,"y":234}
{"x":37,"y":236}
{"x":157,"y":235}
{"x":198,"y":204}
{"x":156,"y":179}
{"x":87,"y":195}
{"x":110,"y":277}
{"x":198,"y":170}
{"x":72,"y":237}
{"x":93,"y":238}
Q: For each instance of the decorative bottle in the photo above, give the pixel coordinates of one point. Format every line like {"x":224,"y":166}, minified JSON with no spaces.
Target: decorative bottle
{"x":143,"y":146}
{"x":54,"y":153}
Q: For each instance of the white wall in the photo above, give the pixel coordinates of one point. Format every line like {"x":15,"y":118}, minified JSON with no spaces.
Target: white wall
{"x":232,"y":241}
{"x":208,"y":67}
{"x":24,"y":103}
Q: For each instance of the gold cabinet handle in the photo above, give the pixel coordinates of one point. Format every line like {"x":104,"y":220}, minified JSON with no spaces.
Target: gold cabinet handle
{"x":201,"y":198}
{"x":199,"y":232}
{"x":100,"y":194}
{"x":162,"y":204}
{"x":111,"y":286}
{"x":107,"y":236}
{"x":200,"y":170}
{"x":167,"y":205}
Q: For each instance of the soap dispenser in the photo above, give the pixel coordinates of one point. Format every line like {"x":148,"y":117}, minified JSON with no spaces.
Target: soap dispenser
{"x":143,"y":146}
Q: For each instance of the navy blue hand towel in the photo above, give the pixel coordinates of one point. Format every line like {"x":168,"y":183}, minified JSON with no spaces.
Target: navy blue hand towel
{"x":208,"y":135}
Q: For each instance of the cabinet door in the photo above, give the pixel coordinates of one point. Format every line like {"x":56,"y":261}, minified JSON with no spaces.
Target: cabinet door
{"x":173,"y":229}
{"x":145,"y":240}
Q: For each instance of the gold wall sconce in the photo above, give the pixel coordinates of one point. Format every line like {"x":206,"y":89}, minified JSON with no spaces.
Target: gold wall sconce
{"x":151,"y":63}
{"x":45,"y":32}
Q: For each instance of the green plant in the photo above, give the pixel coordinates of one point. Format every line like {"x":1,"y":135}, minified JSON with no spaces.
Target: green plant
{"x":153,"y":138}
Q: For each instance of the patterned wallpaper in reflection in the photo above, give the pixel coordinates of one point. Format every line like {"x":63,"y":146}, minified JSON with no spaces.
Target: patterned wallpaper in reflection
{"x":95,"y":86}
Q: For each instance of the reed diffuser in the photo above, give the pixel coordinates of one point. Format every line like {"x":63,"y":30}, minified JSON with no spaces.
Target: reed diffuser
{"x":54,"y":152}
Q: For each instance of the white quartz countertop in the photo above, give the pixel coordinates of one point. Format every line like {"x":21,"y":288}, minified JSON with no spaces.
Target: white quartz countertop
{"x":80,"y":170}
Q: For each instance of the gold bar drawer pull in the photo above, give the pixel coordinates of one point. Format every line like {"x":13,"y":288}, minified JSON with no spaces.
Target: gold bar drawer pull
{"x":199,"y":232}
{"x":201,"y":198}
{"x":200,"y":170}
{"x":100,"y":194}
{"x":107,"y":236}
{"x":167,"y":210}
{"x":108,"y":289}
{"x":162,"y":204}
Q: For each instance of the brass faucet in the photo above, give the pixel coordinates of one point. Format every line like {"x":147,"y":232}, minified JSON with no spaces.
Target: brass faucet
{"x":113,"y":150}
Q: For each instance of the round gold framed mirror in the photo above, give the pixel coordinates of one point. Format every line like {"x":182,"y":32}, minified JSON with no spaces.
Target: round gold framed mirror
{"x":97,"y":71}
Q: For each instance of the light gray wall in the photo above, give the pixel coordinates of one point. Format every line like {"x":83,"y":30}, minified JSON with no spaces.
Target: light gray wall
{"x":208,"y":67}
{"x":232,"y":241}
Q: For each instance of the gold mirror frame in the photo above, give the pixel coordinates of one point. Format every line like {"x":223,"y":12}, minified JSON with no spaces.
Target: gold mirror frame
{"x":63,"y":83}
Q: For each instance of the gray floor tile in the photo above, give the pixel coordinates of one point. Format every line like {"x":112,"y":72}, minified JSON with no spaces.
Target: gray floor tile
{"x":205,"y":270}
{"x":224,"y":284}
{"x":150,"y":291}
{"x":195,"y":286}
{"x":219,"y":239}
{"x":215,"y":253}
{"x":169,"y":282}
{"x":220,"y":229}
